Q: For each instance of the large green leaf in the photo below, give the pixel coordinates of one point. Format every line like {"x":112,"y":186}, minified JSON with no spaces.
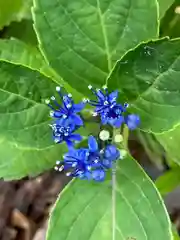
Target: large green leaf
{"x":148,"y":78}
{"x":170,"y":141}
{"x":164,"y":5}
{"x":83,"y":39}
{"x":175,"y":234}
{"x":84,"y":209}
{"x":18,"y":52}
{"x":13,"y":10}
{"x":23,"y":31}
{"x":26,"y":145}
{"x":168,"y":181}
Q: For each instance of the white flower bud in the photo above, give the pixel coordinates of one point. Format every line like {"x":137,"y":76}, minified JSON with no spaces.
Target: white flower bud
{"x":68,"y":174}
{"x":58,"y":89}
{"x":118,"y":138}
{"x":104,"y":135}
{"x":123,"y":153}
{"x":53,"y":98}
{"x":47,"y":101}
{"x":94,"y":114}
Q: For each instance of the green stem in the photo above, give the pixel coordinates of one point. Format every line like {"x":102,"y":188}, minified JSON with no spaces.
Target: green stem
{"x":115,"y":131}
{"x":114,"y":201}
{"x":125,"y":134}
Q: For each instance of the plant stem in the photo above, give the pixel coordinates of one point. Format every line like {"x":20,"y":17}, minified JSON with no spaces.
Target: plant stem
{"x":114,"y":201}
{"x":125,"y":134}
{"x":115,"y":131}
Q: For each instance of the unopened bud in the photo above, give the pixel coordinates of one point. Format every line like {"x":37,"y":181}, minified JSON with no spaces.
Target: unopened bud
{"x":118,"y":138}
{"x":104,"y":135}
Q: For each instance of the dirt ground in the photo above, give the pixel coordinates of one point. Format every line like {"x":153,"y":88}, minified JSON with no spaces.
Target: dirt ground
{"x":25,"y":205}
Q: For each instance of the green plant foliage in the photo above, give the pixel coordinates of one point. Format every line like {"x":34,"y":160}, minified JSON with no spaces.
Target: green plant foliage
{"x":76,"y":43}
{"x":148,"y":78}
{"x":84,"y":209}
{"x":164,"y":5}
{"x":170,"y":141}
{"x":13,"y":10}
{"x":18,"y":52}
{"x":26,"y":144}
{"x":83,"y":39}
{"x":170,"y":22}
{"x":168,"y":181}
{"x":175,"y":235}
{"x":23,"y":31}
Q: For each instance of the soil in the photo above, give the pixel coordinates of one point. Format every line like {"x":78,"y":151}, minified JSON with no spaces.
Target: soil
{"x":25,"y":205}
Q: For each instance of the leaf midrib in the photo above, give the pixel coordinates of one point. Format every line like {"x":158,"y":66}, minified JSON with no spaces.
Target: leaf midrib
{"x":144,"y":195}
{"x":157,"y":79}
{"x":22,"y":97}
{"x":104,"y":36}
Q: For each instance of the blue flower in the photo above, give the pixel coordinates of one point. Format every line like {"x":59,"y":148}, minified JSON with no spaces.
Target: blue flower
{"x":132,"y":121}
{"x":89,"y":163}
{"x":110,"y":111}
{"x":65,"y":132}
{"x":107,"y":107}
{"x":67,"y":110}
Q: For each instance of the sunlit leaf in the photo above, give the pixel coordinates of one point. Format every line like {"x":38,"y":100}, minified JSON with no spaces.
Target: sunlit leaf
{"x":83,"y":39}
{"x":148,"y":78}
{"x":26,"y":145}
{"x":84,"y":209}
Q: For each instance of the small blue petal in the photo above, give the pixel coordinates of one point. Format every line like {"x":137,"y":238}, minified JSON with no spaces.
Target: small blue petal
{"x":132,"y":121}
{"x":67,"y":100}
{"x":88,"y":175}
{"x":107,"y":163}
{"x":104,"y":120}
{"x":57,"y":114}
{"x":109,"y":151}
{"x":83,"y":154}
{"x":75,"y":137}
{"x":98,"y":175}
{"x":92,"y":143}
{"x":85,"y":175}
{"x":117,"y":122}
{"x":76,"y":119}
{"x":113,"y":96}
{"x":78,"y":107}
{"x":81,"y":176}
{"x":69,"y":144}
{"x":100,"y":95}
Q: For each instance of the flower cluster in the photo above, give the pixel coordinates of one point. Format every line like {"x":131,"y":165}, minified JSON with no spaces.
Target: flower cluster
{"x":91,"y":162}
{"x":110,"y":111}
{"x":66,"y":120}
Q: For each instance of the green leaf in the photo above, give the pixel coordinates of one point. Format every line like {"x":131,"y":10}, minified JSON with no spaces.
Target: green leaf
{"x":18,"y":52}
{"x":13,"y":10}
{"x":83,"y":39}
{"x":28,"y":55}
{"x":84,"y":209}
{"x":148,"y":78}
{"x":23,"y":31}
{"x":175,"y":234}
{"x":26,"y":145}
{"x":168,"y":181}
{"x":170,"y":141}
{"x":164,"y":5}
